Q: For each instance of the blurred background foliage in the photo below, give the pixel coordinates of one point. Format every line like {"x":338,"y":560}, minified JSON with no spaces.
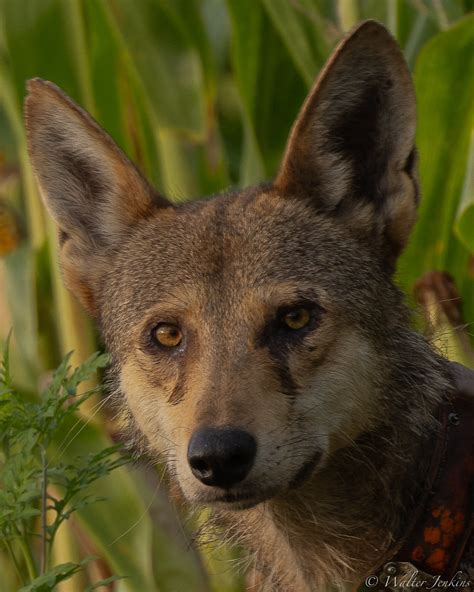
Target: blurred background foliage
{"x":202,"y":94}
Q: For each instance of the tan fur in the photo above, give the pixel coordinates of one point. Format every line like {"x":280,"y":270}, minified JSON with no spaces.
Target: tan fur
{"x":340,"y":410}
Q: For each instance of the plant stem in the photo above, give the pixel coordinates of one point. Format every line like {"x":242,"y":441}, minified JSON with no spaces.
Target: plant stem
{"x":29,"y":560}
{"x":392,"y":17}
{"x":441,"y":15}
{"x":75,"y":25}
{"x":14,"y":561}
{"x":415,"y":39}
{"x":34,"y":212}
{"x":44,"y":494}
{"x":348,"y":12}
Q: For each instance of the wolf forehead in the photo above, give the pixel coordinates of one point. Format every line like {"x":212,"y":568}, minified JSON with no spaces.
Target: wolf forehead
{"x":222,"y":248}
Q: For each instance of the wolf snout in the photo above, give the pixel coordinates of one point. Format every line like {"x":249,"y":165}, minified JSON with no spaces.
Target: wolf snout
{"x":221,"y":457}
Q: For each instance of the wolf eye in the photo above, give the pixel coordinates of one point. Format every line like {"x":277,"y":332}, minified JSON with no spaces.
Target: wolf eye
{"x":167,"y":335}
{"x":297,"y":318}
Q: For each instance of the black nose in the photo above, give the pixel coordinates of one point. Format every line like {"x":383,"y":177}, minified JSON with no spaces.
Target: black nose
{"x":221,"y":456}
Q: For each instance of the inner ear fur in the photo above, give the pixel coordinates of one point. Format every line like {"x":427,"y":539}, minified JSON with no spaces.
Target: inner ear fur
{"x":91,"y":189}
{"x":352,"y":147}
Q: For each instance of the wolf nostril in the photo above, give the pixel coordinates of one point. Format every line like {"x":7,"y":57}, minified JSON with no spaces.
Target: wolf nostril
{"x":201,"y":469}
{"x":199,"y":465}
{"x":221,"y":457}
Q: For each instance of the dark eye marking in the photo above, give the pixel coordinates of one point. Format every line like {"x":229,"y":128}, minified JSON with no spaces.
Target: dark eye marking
{"x":286,"y":328}
{"x":290,"y":324}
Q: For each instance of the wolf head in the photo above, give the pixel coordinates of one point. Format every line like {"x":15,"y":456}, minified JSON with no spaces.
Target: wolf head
{"x":250,"y":332}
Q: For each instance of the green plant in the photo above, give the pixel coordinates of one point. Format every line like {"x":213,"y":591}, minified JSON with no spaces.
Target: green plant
{"x":37,"y":491}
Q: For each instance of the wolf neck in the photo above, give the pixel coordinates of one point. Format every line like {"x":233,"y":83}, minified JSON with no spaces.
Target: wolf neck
{"x":342,"y":522}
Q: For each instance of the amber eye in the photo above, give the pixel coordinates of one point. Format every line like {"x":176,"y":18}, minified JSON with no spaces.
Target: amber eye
{"x":297,"y":318}
{"x":167,"y":335}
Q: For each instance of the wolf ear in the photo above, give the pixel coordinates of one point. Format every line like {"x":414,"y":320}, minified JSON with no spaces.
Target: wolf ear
{"x":94,"y":193}
{"x":351,"y":150}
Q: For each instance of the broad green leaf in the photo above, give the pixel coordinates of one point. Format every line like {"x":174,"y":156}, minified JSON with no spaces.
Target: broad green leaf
{"x":251,"y":166}
{"x":279,"y":97}
{"x":246,"y":41}
{"x":38,"y":44}
{"x":246,"y":18}
{"x":180,"y":120}
{"x":20,"y":287}
{"x":186,"y":15}
{"x":465,"y":214}
{"x":120,"y":96}
{"x":271,"y":90}
{"x":298,"y":32}
{"x":171,"y":70}
{"x":444,"y":81}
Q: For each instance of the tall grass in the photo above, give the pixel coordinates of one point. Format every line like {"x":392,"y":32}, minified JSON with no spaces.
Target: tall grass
{"x":201,"y":94}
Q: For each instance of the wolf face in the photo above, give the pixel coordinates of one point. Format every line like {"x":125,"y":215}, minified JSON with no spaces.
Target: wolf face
{"x":250,"y":332}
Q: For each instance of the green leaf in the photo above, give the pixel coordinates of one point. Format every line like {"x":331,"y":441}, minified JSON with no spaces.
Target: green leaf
{"x":171,"y":71}
{"x":465,"y":214}
{"x":34,"y":34}
{"x":270,"y":89}
{"x":119,"y":94}
{"x":299,"y":33}
{"x":20,"y":286}
{"x":48,"y":581}
{"x":186,"y":15}
{"x":444,"y":82}
{"x":246,"y":18}
{"x":101,"y":583}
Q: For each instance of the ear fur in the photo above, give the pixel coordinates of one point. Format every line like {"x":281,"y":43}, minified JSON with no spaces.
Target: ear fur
{"x":351,"y":150}
{"x":93,"y":192}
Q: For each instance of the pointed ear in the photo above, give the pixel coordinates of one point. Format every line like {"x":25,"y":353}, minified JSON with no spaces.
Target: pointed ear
{"x":351,"y":150}
{"x":93,"y":192}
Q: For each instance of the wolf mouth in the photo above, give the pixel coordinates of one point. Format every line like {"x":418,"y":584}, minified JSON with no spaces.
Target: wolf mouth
{"x":241,"y":500}
{"x":247,"y":499}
